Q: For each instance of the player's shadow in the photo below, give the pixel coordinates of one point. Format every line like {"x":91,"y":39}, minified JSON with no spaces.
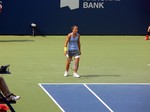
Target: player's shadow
{"x":90,"y":75}
{"x":16,"y":40}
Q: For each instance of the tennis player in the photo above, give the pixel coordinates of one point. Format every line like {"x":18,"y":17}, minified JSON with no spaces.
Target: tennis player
{"x":148,"y":34}
{"x":72,"y":50}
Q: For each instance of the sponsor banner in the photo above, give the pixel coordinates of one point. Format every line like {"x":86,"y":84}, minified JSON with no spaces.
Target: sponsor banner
{"x":86,"y":4}
{"x":99,"y":17}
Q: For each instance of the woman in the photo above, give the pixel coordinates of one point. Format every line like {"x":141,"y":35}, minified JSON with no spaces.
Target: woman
{"x":72,"y":49}
{"x":148,"y":33}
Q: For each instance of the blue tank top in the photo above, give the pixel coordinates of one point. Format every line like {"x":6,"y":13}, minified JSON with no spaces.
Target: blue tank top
{"x":73,"y":43}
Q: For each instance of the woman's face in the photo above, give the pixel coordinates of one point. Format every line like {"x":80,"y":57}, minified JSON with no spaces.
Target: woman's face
{"x":75,"y":29}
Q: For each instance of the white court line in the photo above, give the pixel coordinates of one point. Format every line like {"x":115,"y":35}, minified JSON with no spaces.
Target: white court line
{"x":98,"y":83}
{"x":40,"y":84}
{"x":99,"y":98}
{"x":52,"y":98}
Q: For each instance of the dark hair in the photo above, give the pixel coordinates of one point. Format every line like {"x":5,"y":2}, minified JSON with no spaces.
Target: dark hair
{"x":74,"y":27}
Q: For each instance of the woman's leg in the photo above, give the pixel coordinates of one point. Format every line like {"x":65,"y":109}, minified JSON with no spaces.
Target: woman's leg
{"x":68,"y":61}
{"x":76,"y":66}
{"x":4,"y":87}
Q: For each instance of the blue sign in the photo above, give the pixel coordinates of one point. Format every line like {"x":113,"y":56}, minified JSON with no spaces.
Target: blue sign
{"x":98,"y":17}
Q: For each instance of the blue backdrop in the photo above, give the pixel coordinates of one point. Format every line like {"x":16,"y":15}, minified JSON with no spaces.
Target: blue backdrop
{"x":105,"y":17}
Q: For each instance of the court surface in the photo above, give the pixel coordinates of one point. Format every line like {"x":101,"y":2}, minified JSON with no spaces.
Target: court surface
{"x":104,"y":59}
{"x":99,"y":97}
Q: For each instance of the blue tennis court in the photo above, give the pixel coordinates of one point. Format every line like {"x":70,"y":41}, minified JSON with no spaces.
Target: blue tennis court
{"x":99,"y":97}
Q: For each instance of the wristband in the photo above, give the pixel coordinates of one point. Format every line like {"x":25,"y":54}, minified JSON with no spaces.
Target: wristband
{"x":65,"y":49}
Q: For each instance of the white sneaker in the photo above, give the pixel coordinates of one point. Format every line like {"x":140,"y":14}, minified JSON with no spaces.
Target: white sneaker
{"x":65,"y":74}
{"x":76,"y":75}
{"x":15,"y":98}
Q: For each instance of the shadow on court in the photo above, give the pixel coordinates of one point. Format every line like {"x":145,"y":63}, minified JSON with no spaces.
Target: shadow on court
{"x":16,"y":40}
{"x":89,"y":75}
